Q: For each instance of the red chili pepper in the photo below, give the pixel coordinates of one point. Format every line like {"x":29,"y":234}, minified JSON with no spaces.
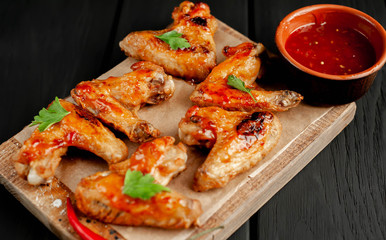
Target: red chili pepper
{"x":84,"y":232}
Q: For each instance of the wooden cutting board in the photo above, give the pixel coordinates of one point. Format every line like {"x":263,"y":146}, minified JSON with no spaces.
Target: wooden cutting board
{"x":306,"y":131}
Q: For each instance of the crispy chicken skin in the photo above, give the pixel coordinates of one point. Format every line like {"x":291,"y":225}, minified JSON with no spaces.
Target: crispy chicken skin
{"x":194,"y":63}
{"x":100,"y":196}
{"x":243,"y":62}
{"x":116,"y":100}
{"x":159,"y":157}
{"x":238,"y":141}
{"x":41,"y":153}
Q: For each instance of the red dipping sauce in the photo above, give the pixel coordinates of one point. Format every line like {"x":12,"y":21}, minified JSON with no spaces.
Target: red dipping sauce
{"x":330,"y":49}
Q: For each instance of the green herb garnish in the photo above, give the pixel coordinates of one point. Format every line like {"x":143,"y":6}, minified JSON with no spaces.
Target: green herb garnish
{"x":137,"y":185}
{"x":237,"y":83}
{"x":55,"y":113}
{"x":174,"y":40}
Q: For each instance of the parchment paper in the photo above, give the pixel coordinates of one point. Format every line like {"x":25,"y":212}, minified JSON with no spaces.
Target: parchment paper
{"x":166,"y":117}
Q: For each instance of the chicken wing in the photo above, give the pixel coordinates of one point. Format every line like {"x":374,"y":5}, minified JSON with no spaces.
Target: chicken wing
{"x":243,"y":62}
{"x":194,"y":63}
{"x":41,"y":153}
{"x":238,"y":141}
{"x":160,"y":158}
{"x":116,"y":100}
{"x":100,"y":196}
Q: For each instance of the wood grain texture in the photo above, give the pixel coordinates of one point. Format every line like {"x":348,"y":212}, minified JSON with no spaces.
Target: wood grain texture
{"x":263,"y":186}
{"x":298,"y":145}
{"x":248,"y":198}
{"x":47,"y":202}
{"x":341,"y":193}
{"x":47,"y":47}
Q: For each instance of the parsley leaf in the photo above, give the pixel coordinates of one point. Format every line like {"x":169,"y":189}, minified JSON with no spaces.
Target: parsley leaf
{"x":174,"y":39}
{"x":237,"y":83}
{"x":141,"y":186}
{"x":47,"y":117}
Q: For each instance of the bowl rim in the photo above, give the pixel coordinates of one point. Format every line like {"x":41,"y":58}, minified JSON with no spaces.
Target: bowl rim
{"x":281,"y":45}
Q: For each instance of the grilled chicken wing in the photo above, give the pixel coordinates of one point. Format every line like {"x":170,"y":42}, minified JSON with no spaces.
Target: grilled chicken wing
{"x":115,"y":101}
{"x":238,"y":140}
{"x":41,"y":153}
{"x":100,"y":196}
{"x":243,"y":62}
{"x":194,"y":63}
{"x":160,"y":158}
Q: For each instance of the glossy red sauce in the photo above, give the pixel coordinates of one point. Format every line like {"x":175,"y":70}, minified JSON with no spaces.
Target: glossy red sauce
{"x":111,"y":186}
{"x":157,"y":206}
{"x":330,"y":49}
{"x":145,"y":157}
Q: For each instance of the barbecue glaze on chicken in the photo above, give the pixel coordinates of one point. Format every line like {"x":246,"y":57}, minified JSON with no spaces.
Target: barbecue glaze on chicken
{"x":116,"y":100}
{"x":237,"y":141}
{"x":41,"y":153}
{"x":244,"y":63}
{"x":159,"y":157}
{"x":100,"y":196}
{"x":194,"y":63}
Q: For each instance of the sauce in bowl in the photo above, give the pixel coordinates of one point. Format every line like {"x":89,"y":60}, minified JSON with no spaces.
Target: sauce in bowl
{"x":331,"y":49}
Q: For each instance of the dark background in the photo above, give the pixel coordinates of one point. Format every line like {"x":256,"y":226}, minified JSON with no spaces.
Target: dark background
{"x":47,"y":47}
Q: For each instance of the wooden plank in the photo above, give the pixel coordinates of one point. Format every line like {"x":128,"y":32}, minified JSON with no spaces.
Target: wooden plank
{"x":46,"y":202}
{"x":306,"y":130}
{"x":279,"y":172}
{"x":341,"y":193}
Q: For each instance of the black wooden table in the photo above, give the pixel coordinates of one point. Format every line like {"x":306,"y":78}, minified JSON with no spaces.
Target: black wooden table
{"x":47,"y":47}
